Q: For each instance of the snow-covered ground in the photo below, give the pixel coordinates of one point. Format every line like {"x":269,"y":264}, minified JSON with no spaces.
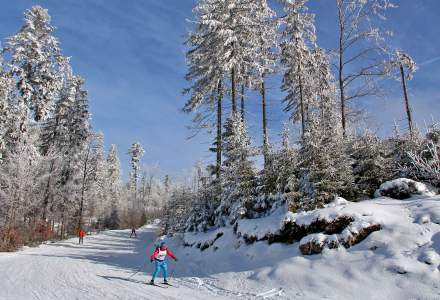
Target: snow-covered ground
{"x":99,"y":269}
{"x":401,"y":261}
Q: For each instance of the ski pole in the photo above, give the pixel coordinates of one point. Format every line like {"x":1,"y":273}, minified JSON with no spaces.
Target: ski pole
{"x":135,"y":272}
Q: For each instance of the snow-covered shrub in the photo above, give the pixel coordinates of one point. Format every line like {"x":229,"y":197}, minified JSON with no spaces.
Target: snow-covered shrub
{"x":339,"y":201}
{"x":400,"y":146}
{"x":402,"y":188}
{"x":425,"y":163}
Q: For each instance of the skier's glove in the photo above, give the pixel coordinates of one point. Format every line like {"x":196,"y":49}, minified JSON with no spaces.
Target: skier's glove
{"x":151,"y":260}
{"x":176,"y":259}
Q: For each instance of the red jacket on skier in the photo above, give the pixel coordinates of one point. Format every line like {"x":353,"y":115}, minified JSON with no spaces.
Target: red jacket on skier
{"x":160,"y":253}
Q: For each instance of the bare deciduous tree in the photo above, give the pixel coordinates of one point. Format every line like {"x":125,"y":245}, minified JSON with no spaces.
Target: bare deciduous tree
{"x":360,"y":55}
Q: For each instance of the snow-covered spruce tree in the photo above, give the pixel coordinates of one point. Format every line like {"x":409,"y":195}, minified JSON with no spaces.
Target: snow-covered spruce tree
{"x":136,"y":152}
{"x":204,"y":204}
{"x":55,"y":139}
{"x":232,"y":43}
{"x":206,"y":69}
{"x":259,"y":44}
{"x":71,"y":142}
{"x":259,"y":48}
{"x":239,"y":177}
{"x":298,"y":38}
{"x":114,"y":187}
{"x":372,"y":164}
{"x":325,"y":167}
{"x":77,"y":172}
{"x":6,"y":115}
{"x":246,"y":28}
{"x":55,"y":132}
{"x":324,"y":89}
{"x":36,"y":62}
{"x":79,"y":121}
{"x":406,"y":67}
{"x":322,"y":168}
{"x":99,"y":186}
{"x":64,"y":181}
{"x":360,"y":54}
{"x":278,"y":180}
{"x":286,"y":162}
{"x":13,"y":112}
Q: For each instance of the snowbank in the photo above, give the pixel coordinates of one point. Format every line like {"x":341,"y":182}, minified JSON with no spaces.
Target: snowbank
{"x":402,"y":188}
{"x":202,"y":240}
{"x":353,"y":234}
{"x":399,"y":261}
{"x":338,"y":224}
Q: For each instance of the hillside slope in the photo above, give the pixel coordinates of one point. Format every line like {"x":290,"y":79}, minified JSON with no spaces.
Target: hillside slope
{"x":400,"y":261}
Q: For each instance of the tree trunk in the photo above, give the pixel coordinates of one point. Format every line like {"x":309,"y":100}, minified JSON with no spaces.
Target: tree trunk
{"x":407,"y":106}
{"x":265,"y":136}
{"x":233,"y":91}
{"x":52,"y":165}
{"x":10,"y":218}
{"x":58,"y":228}
{"x":341,"y":74}
{"x":242,"y":102}
{"x":46,"y":192}
{"x":219,"y":129}
{"x":301,"y":103}
{"x":63,"y":228}
{"x":135,"y":204}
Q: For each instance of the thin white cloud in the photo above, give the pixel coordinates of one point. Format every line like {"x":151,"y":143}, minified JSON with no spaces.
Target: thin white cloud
{"x":430,"y":61}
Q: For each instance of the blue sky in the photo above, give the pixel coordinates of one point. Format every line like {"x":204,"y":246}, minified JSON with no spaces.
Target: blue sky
{"x":131,"y":55}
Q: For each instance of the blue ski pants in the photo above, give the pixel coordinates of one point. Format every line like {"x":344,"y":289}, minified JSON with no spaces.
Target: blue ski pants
{"x":160,"y":265}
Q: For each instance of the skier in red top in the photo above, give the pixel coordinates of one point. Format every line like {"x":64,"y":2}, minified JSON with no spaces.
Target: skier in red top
{"x":159,"y":256}
{"x":81,"y":234}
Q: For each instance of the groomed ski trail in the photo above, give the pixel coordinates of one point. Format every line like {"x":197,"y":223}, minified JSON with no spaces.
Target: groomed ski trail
{"x":99,"y":269}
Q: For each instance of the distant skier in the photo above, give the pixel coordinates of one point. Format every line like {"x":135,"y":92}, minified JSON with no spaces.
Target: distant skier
{"x":81,"y":235}
{"x":159,"y":256}
{"x":133,"y":232}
